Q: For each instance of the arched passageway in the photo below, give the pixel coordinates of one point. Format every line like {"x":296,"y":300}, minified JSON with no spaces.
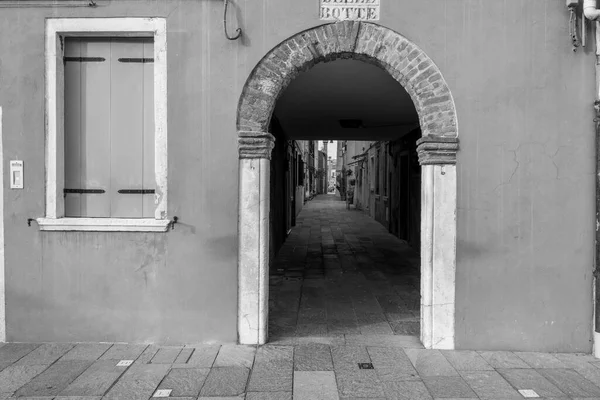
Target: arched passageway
{"x":432,"y":99}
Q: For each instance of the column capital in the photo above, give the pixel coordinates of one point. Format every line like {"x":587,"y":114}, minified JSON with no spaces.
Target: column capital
{"x":255,"y":144}
{"x":436,"y":150}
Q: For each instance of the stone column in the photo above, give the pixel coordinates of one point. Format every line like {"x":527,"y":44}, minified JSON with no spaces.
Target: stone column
{"x":437,"y":156}
{"x":253,"y":232}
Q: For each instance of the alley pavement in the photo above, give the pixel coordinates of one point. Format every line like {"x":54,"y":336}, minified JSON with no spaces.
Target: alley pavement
{"x":341,"y":272}
{"x":344,"y":325}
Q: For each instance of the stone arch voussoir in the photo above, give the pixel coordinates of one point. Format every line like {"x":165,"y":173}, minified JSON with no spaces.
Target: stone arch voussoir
{"x":363,"y":41}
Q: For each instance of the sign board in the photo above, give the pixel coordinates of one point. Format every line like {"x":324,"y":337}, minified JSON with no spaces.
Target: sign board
{"x":355,"y":10}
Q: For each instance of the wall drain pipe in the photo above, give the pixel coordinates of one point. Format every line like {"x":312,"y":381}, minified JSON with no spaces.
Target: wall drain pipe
{"x":591,"y":12}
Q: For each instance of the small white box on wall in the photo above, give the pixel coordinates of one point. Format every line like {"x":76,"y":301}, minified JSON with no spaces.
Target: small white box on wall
{"x":16,"y":174}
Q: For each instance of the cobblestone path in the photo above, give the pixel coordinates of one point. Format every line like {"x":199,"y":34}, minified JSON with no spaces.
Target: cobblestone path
{"x":341,"y":272}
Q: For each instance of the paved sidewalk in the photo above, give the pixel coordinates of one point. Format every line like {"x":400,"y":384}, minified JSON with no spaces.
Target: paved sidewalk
{"x":370,"y":367}
{"x":341,"y":272}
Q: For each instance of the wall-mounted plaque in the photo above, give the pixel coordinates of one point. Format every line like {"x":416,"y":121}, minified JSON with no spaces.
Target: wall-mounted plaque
{"x":356,"y":10}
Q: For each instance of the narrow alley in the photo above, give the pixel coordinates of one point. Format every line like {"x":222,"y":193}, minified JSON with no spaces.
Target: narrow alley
{"x":340,"y":272}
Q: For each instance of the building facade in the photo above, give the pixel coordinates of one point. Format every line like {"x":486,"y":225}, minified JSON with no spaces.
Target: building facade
{"x":155,"y":223}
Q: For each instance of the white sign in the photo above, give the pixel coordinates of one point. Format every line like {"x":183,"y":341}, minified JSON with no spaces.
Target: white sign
{"x":356,"y":10}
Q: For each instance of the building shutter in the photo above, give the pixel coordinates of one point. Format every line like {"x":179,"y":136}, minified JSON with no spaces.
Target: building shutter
{"x":109,"y":128}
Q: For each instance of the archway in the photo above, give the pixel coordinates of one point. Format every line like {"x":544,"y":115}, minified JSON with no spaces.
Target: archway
{"x":423,"y":81}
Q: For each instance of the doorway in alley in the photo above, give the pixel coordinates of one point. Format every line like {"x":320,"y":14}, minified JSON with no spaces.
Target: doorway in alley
{"x":348,"y":264}
{"x":411,"y":73}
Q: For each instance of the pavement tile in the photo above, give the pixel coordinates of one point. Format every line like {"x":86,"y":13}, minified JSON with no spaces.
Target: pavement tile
{"x":490,"y":385}
{"x":146,"y":355}
{"x":81,"y":398}
{"x":204,"y":356}
{"x":575,"y":357}
{"x":392,"y":364}
{"x":15,"y":376}
{"x":430,"y":362}
{"x":406,"y":390}
{"x":273,"y":369}
{"x":522,"y":379}
{"x":54,"y":379}
{"x":139,"y":382}
{"x":448,"y":386}
{"x":46,"y":354}
{"x":406,"y":327}
{"x":166,"y":355}
{"x":570,"y":382}
{"x":235,"y":356}
{"x":240,"y":397}
{"x":185,"y":382}
{"x":503,"y":359}
{"x":313,"y":357}
{"x":348,"y":357}
{"x":96,"y":380}
{"x":86,"y":351}
{"x":268,"y":396}
{"x":225,"y":381}
{"x":184,"y":356}
{"x":384,"y":341}
{"x":315,"y":385}
{"x":540,"y":360}
{"x":124,"y":352}
{"x":466,"y":360}
{"x":11,"y":352}
{"x":361,"y":383}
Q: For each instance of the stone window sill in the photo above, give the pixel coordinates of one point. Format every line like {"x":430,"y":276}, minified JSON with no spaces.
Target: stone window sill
{"x":104,"y":224}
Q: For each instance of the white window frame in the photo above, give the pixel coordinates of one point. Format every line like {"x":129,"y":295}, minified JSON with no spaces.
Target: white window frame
{"x":56,"y":30}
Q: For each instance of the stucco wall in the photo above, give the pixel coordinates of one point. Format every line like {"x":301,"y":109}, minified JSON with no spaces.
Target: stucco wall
{"x":525,"y":176}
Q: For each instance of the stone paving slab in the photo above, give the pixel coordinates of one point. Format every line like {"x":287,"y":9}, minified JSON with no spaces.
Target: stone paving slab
{"x":12,"y":352}
{"x":530,"y":379}
{"x":273,"y":369}
{"x":430,"y":363}
{"x":96,"y":380}
{"x":313,"y":357}
{"x":86,"y":351}
{"x":124,"y":352}
{"x":225,"y":381}
{"x":15,"y":376}
{"x":315,"y":385}
{"x":570,"y":382}
{"x":54,"y":379}
{"x":138,"y":382}
{"x":490,"y":385}
{"x":204,"y":356}
{"x":503,"y":359}
{"x":466,"y":360}
{"x":185,"y":382}
{"x":45,"y":354}
{"x":235,"y":356}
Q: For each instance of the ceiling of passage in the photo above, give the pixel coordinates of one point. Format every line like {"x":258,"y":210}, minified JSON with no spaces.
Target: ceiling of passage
{"x":315,"y":101}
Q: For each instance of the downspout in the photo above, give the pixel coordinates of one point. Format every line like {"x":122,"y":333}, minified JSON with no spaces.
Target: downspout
{"x":591,"y":12}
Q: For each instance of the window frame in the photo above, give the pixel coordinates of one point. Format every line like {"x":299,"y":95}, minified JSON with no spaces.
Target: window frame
{"x":56,"y":30}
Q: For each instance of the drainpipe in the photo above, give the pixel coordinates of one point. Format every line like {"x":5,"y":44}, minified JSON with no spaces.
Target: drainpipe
{"x":591,"y":12}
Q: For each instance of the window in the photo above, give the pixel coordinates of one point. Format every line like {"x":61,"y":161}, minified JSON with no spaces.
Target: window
{"x":109,"y":127}
{"x":106,"y":147}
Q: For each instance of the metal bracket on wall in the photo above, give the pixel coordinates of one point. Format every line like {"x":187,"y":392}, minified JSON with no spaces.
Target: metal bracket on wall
{"x":573,"y":26}
{"x":238,"y":30}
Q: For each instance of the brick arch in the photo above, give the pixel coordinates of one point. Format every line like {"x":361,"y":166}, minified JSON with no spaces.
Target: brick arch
{"x":363,"y":41}
{"x":437,"y":150}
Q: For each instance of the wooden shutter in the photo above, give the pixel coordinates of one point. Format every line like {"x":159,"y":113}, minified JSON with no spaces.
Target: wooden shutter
{"x":109,"y":127}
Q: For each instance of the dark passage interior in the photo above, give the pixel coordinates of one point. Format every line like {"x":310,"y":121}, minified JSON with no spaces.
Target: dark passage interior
{"x":344,"y":261}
